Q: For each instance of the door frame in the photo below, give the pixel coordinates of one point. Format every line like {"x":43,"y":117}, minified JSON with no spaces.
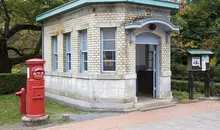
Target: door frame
{"x":154,"y":40}
{"x":155,"y":70}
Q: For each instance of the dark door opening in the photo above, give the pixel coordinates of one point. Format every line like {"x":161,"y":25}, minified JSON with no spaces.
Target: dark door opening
{"x":146,"y":70}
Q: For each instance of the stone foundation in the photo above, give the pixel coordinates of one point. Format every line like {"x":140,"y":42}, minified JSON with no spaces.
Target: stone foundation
{"x":99,"y":92}
{"x":93,"y":92}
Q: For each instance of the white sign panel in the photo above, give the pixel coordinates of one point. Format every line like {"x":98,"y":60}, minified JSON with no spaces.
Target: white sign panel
{"x":196,"y":61}
{"x":203,"y":63}
{"x":28,"y":73}
{"x":207,"y":59}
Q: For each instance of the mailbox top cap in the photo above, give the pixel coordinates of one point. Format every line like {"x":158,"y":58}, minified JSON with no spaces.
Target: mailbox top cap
{"x":35,"y":61}
{"x":199,"y":52}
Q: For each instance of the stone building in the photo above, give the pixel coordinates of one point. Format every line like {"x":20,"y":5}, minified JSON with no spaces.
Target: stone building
{"x":108,"y":54}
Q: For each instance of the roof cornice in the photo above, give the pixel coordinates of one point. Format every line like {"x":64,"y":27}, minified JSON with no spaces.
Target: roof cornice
{"x":79,"y":3}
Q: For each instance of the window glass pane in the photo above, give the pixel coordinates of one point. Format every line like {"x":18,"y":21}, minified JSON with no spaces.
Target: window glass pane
{"x":68,"y":46}
{"x":150,"y":60}
{"x":108,"y":45}
{"x":85,"y":66}
{"x":67,"y":42}
{"x":84,"y":46}
{"x":70,"y":65}
{"x":56,"y":66}
{"x":109,"y":55}
{"x":54,"y":39}
{"x":85,"y":56}
{"x":109,"y":33}
{"x":69,"y":61}
{"x":109,"y":66}
{"x":55,"y":62}
{"x":83,"y":40}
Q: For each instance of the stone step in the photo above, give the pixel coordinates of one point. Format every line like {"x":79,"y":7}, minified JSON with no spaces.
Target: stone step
{"x":151,"y":103}
{"x":157,"y":107}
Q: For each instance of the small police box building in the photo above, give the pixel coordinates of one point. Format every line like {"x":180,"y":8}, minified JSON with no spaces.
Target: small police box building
{"x":107,"y":54}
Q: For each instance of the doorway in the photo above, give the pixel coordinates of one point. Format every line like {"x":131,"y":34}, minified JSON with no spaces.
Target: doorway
{"x":147,"y":65}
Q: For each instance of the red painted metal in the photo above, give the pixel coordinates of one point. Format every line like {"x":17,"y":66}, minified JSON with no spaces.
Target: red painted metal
{"x":35,"y":88}
{"x":22,"y":95}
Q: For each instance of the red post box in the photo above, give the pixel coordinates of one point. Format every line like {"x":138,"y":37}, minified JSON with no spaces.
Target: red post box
{"x":35,"y":88}
{"x":22,"y":95}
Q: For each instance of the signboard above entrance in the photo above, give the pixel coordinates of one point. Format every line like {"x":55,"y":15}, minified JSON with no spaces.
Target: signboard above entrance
{"x":198,"y":60}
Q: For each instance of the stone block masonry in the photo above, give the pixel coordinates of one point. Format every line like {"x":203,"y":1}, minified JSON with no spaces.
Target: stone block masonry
{"x":94,"y":89}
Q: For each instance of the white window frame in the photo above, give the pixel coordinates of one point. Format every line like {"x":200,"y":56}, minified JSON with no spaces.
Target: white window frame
{"x":110,"y":50}
{"x":67,"y":38}
{"x":55,"y":52}
{"x":83,"y":40}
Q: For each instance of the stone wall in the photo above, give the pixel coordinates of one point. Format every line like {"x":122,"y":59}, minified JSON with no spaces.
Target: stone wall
{"x":92,"y":91}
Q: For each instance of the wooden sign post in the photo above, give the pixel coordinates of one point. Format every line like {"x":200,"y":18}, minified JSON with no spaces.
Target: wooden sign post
{"x":198,"y":60}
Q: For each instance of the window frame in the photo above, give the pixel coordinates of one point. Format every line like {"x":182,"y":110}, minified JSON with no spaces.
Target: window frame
{"x":67,"y":39}
{"x":83,"y":52}
{"x":108,"y":50}
{"x":55,"y":52}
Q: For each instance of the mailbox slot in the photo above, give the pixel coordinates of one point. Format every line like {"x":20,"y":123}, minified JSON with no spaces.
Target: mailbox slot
{"x":38,"y":92}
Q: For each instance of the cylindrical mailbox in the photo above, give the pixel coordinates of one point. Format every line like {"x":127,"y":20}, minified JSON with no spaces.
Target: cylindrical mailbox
{"x":35,"y":88}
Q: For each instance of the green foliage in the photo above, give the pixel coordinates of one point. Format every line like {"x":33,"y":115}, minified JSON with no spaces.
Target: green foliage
{"x":26,"y":11}
{"x":179,"y":69}
{"x":182,"y":85}
{"x":10,"y":112}
{"x":200,"y":28}
{"x":24,"y":42}
{"x":11,"y":83}
{"x":183,"y":97}
{"x":215,"y":71}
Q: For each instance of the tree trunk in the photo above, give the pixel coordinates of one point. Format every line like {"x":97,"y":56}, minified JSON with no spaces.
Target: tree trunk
{"x":5,"y":65}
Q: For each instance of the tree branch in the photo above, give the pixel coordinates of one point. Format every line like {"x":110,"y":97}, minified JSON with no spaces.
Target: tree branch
{"x":7,"y":18}
{"x":15,"y":50}
{"x":20,"y":27}
{"x":38,"y":46}
{"x":23,"y":58}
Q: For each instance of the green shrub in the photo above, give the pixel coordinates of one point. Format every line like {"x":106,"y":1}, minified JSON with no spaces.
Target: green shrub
{"x":215,"y":72}
{"x":182,"y":85}
{"x":12,"y":82}
{"x":179,"y":70}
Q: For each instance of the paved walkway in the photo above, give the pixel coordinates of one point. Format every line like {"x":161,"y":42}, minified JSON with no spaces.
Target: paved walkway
{"x":203,"y":121}
{"x":202,"y":116}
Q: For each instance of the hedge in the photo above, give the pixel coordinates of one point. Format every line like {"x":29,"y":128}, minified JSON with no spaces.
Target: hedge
{"x":12,"y":82}
{"x":182,"y":85}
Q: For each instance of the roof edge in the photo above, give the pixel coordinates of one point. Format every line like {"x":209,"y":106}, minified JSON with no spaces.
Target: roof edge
{"x":77,"y":3}
{"x":199,"y":51}
{"x":141,"y":23}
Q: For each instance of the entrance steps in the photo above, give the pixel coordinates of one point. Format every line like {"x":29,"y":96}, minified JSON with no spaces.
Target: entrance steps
{"x":151,"y":104}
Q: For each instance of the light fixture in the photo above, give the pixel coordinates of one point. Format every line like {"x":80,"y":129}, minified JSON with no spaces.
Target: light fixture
{"x":148,"y":12}
{"x":152,"y":26}
{"x":167,"y":37}
{"x":131,"y":36}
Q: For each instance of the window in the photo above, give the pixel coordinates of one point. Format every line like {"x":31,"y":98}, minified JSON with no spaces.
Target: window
{"x":108,"y":43}
{"x":83,"y":44}
{"x":55,"y":53}
{"x":67,"y":51}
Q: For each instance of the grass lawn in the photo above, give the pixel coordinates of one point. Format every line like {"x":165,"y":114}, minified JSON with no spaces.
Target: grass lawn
{"x":9,"y":109}
{"x":183,"y":97}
